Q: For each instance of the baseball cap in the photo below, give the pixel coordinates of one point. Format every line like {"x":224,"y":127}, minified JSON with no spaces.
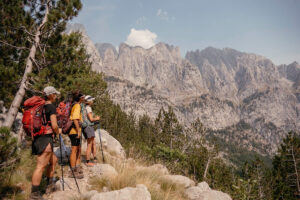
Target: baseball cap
{"x":50,"y":90}
{"x":89,"y":98}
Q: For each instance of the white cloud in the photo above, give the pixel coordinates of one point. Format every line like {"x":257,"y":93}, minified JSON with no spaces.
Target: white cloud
{"x":143,"y":38}
{"x":162,"y":14}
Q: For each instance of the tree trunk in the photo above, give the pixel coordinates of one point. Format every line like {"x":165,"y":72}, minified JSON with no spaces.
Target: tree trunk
{"x":296,"y":171}
{"x":13,"y":110}
{"x":206,"y":168}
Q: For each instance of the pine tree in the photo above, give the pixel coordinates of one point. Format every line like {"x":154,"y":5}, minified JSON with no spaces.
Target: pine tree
{"x":48,"y":20}
{"x":286,"y":169}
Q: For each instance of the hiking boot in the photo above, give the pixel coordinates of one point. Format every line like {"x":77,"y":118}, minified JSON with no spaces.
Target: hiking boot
{"x":76,"y":174}
{"x":50,"y":188}
{"x":94,"y":160}
{"x":79,"y":170}
{"x":36,"y":196}
{"x":89,"y":164}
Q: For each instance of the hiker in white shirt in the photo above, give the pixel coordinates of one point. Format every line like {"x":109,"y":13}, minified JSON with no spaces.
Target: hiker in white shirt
{"x":88,"y":131}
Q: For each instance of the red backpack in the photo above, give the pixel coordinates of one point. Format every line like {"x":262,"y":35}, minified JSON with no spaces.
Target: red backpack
{"x":63,"y":116}
{"x":34,"y":119}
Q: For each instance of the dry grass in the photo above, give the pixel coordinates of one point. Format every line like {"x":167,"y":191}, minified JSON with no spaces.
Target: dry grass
{"x":19,"y":185}
{"x":131,"y":173}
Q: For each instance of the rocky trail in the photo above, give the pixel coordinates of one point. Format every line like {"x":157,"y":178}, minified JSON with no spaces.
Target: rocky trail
{"x":122,"y":178}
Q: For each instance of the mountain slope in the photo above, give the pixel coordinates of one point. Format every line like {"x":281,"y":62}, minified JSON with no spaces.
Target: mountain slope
{"x":223,"y":87}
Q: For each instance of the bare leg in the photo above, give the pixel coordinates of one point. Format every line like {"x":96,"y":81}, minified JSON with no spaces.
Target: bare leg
{"x":73,"y":156}
{"x":94,"y":148}
{"x":42,"y":162}
{"x":78,"y":159}
{"x":89,"y":148}
{"x":51,"y":167}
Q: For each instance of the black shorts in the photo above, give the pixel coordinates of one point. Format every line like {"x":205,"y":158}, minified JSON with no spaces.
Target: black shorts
{"x":74,"y":140}
{"x":40,"y":143}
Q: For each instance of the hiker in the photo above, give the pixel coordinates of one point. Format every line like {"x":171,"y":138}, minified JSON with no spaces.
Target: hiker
{"x":75,"y":135}
{"x":42,"y":146}
{"x":88,"y":130}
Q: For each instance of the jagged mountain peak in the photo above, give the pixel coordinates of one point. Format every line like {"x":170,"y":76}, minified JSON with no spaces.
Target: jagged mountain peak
{"x":214,"y":56}
{"x":227,"y":56}
{"x":159,"y":46}
{"x":103,"y":47}
{"x":220,"y":86}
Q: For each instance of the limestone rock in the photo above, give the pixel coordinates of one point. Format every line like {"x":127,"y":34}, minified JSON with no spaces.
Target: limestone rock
{"x":129,"y":193}
{"x":179,"y":179}
{"x":64,"y":195}
{"x":203,"y":192}
{"x":213,"y":195}
{"x":109,"y":143}
{"x":156,"y":167}
{"x":203,"y":186}
{"x":70,"y":185}
{"x":63,"y":153}
{"x":103,"y":170}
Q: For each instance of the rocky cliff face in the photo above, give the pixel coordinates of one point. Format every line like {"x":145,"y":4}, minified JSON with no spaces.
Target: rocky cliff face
{"x":95,"y":58}
{"x":244,"y":95}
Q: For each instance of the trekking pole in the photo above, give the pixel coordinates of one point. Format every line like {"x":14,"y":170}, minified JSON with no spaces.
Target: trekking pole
{"x":62,"y":142}
{"x":101,"y":148}
{"x":61,"y":163}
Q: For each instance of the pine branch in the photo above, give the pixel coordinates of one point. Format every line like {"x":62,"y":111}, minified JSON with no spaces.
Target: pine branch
{"x":26,"y":31}
{"x":35,"y":62}
{"x":5,"y":43}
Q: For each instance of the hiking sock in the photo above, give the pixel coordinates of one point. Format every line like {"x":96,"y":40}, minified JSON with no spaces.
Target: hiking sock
{"x":35,"y":188}
{"x":50,"y":180}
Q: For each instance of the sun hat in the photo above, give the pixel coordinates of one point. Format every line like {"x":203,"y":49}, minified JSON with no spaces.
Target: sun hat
{"x":89,"y":98}
{"x":50,"y":90}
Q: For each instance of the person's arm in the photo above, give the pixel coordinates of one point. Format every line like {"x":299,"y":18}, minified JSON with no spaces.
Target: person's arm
{"x":54,"y":124}
{"x":77,"y":127}
{"x":92,"y":118}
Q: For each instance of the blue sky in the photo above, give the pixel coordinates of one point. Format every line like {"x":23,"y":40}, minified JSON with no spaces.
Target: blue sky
{"x":267,"y":27}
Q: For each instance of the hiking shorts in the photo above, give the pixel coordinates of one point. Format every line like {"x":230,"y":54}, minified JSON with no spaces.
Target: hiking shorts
{"x":40,"y":143}
{"x":74,"y":140}
{"x":88,"y":132}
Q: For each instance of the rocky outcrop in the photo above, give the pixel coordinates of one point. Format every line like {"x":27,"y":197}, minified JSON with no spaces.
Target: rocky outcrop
{"x":181,"y":180}
{"x":103,"y":171}
{"x":94,"y":58}
{"x":161,"y":169}
{"x":203,"y":192}
{"x":109,"y":144}
{"x":107,"y":174}
{"x":129,"y":193}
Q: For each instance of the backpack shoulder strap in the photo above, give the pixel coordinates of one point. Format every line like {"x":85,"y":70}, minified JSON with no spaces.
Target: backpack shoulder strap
{"x":83,"y":112}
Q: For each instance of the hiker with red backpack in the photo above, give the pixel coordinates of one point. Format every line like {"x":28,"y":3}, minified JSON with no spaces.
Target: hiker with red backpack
{"x":88,"y":130}
{"x":75,"y":135}
{"x":40,"y":123}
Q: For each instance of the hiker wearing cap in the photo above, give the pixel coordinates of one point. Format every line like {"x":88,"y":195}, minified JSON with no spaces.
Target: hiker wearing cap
{"x":42,"y":145}
{"x":75,"y":135}
{"x":88,"y":130}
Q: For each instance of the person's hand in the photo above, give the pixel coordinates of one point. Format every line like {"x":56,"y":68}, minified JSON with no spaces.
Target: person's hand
{"x":97,"y":118}
{"x":59,"y":131}
{"x":79,"y":135}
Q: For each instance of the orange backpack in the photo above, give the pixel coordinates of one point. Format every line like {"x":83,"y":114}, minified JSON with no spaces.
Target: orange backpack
{"x":63,"y":116}
{"x":34,"y":118}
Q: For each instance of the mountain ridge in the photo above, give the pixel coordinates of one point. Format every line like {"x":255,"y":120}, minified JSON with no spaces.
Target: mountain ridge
{"x":223,"y":87}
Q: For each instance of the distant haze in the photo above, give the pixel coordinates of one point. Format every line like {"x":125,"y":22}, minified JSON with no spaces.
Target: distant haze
{"x":267,"y":27}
